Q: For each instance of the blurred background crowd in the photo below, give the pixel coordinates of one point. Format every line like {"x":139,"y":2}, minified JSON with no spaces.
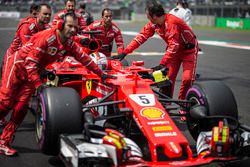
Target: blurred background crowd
{"x":204,"y":12}
{"x":221,"y":8}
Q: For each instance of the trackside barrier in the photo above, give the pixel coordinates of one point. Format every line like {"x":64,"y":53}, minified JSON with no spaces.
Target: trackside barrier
{"x":10,"y":14}
{"x":234,"y":23}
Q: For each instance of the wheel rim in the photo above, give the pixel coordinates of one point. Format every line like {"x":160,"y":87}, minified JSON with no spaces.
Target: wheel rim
{"x":195,"y":100}
{"x":40,"y":120}
{"x":39,"y":123}
{"x":193,"y":126}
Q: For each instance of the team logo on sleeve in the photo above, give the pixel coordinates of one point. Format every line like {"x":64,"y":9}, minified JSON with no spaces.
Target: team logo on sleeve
{"x":52,"y":51}
{"x":111,"y":35}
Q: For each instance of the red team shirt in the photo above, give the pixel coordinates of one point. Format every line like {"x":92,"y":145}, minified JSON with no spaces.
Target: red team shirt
{"x":107,"y":37}
{"x":45,"y":48}
{"x":25,"y":29}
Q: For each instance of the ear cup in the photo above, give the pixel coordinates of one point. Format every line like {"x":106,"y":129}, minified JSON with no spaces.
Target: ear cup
{"x":60,"y":24}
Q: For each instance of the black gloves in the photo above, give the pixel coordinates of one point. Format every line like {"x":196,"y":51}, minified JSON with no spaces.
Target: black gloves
{"x":85,"y":42}
{"x":120,"y":56}
{"x":106,"y":76}
{"x":159,"y":67}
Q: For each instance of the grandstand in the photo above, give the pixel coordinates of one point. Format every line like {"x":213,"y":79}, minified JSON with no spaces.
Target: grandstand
{"x":205,"y":12}
{"x":219,"y":8}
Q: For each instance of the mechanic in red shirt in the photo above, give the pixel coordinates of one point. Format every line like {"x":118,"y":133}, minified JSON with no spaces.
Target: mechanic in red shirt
{"x":31,"y":26}
{"x":26,"y":28}
{"x":23,"y":72}
{"x":110,"y":32}
{"x":33,"y":12}
{"x":69,"y":6}
{"x":85,"y":14}
{"x":182,"y":45}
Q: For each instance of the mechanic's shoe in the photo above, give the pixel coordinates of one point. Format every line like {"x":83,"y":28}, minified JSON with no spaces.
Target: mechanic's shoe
{"x":3,"y":122}
{"x":6,"y":149}
{"x":183,"y":118}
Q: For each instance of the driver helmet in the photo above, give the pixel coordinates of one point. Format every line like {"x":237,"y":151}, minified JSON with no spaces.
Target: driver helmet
{"x":100,"y":59}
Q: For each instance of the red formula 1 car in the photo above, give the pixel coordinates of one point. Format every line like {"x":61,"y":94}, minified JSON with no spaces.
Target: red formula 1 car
{"x":128,"y":121}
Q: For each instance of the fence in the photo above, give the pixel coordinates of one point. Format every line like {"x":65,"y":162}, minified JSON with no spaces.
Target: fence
{"x":235,"y":23}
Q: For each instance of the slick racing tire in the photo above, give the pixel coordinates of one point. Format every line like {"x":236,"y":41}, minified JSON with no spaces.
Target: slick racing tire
{"x":59,"y":111}
{"x":218,"y":100}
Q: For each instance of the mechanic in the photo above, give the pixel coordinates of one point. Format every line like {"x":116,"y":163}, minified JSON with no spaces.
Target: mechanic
{"x":34,"y":9}
{"x":110,"y":32}
{"x":31,"y":26}
{"x":86,"y":15}
{"x":26,"y":28}
{"x":182,"y":11}
{"x":23,"y":75}
{"x":69,"y":6}
{"x":182,"y":45}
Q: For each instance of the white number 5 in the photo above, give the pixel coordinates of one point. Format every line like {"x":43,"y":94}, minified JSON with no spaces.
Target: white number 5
{"x":143,"y":99}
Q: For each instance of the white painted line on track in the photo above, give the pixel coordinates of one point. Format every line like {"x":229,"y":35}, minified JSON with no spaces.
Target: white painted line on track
{"x":225,"y":44}
{"x":7,"y":28}
{"x":150,"y":53}
{"x":204,"y":42}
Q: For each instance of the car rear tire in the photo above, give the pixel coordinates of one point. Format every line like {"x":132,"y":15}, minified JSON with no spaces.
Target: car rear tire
{"x":59,"y":111}
{"x":218,"y":100}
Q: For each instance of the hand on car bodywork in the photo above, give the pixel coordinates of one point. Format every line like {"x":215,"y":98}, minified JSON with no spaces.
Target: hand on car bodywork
{"x":107,"y":76}
{"x":158,"y":67}
{"x":120,"y":56}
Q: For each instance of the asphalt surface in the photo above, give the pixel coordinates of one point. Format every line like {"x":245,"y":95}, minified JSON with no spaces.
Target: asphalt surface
{"x":230,"y":65}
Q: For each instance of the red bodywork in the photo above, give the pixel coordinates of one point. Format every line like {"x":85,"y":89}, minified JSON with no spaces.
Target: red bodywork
{"x":149,"y":114}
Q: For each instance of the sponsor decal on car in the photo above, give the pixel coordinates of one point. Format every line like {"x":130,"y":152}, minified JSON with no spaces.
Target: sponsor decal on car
{"x":152,"y":113}
{"x":158,"y":122}
{"x":162,"y":128}
{"x":138,"y":122}
{"x":143,"y":99}
{"x":165,"y":134}
{"x":103,"y":89}
{"x":89,"y":85}
{"x":177,"y":163}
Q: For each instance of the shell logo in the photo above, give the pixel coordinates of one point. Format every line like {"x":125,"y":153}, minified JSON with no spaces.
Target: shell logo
{"x":152,"y":113}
